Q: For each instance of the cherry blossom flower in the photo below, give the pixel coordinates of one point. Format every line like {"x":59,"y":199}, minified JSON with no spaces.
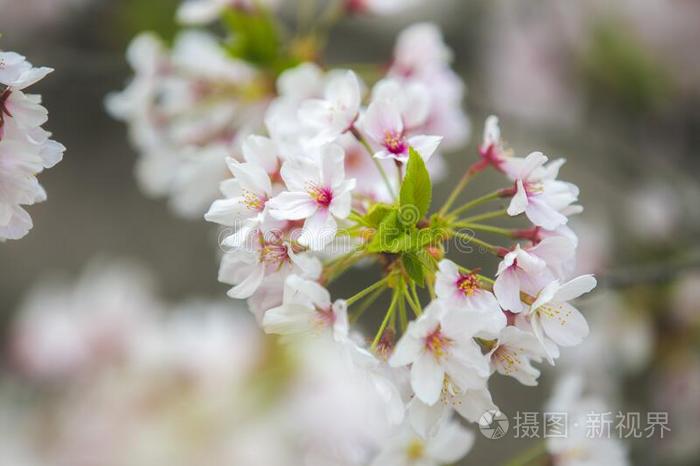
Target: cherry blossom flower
{"x":440,"y":344}
{"x":336,"y":112}
{"x":446,"y":444}
{"x":306,"y":309}
{"x":459,"y":290}
{"x":471,"y":404}
{"x":383,"y":124}
{"x":421,"y":56}
{"x":551,"y":314}
{"x":317,"y":193}
{"x":545,"y":200}
{"x":271,"y":255}
{"x":514,"y":353}
{"x":246,"y":197}
{"x":25,"y":147}
{"x":529,"y":269}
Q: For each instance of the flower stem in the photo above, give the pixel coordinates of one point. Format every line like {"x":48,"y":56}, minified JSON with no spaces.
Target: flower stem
{"x":478,"y":201}
{"x":484,"y":216}
{"x":366,"y":304}
{"x":361,"y":294}
{"x":487,"y":228}
{"x":411,"y":302}
{"x":463,"y":182}
{"x":473,"y":239}
{"x":377,"y":164}
{"x":387,"y":317}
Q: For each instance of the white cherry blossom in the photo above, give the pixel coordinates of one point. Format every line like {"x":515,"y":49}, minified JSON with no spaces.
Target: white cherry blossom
{"x":385,"y":127}
{"x":439,"y":345}
{"x":545,"y":200}
{"x":553,"y":317}
{"x":461,"y":290}
{"x":306,"y":309}
{"x":446,"y":444}
{"x":514,"y":353}
{"x":318,"y":193}
{"x":336,"y":112}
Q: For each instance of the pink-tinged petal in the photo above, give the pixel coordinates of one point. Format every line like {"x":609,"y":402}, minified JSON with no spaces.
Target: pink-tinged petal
{"x":407,"y":350}
{"x":292,"y":206}
{"x":427,"y":377}
{"x":451,"y":443}
{"x":575,"y":288}
{"x":425,"y":145}
{"x":289,"y":319}
{"x":384,"y":154}
{"x":319,"y":230}
{"x":228,"y":211}
{"x":342,"y":203}
{"x":341,"y":326}
{"x":240,"y":238}
{"x":563,"y":323}
{"x":332,"y":165}
{"x":51,"y":153}
{"x":543,"y":215}
{"x":247,"y":287}
{"x":507,"y":291}
{"x":26,"y":110}
{"x":297,"y":173}
{"x":381,"y":117}
{"x":299,"y":290}
{"x":309,"y":265}
{"x":251,"y":177}
{"x":531,"y":163}
{"x":545,"y":295}
{"x":446,"y":281}
{"x":261,"y":151}
{"x":519,"y":202}
{"x":344,"y":90}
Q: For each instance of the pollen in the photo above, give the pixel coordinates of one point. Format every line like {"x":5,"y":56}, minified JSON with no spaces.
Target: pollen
{"x":437,"y":343}
{"x":274,"y":253}
{"x":415,"y":449}
{"x":394,"y":143}
{"x":252,"y":201}
{"x":468,"y":284}
{"x":322,"y":196}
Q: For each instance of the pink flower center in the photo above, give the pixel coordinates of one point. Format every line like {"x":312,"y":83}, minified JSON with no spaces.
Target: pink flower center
{"x":253,"y":201}
{"x":533,"y":188}
{"x":468,"y":284}
{"x":437,"y":343}
{"x":325,"y":317}
{"x":322,"y":196}
{"x":274,"y":253}
{"x":395,"y":143}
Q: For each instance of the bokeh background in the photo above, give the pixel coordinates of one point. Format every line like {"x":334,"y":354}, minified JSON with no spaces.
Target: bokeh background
{"x":612,"y":86}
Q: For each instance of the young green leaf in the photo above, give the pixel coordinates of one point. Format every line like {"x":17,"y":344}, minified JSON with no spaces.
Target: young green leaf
{"x":416,"y":189}
{"x":414,"y":267}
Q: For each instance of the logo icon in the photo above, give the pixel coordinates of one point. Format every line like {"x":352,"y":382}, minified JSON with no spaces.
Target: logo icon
{"x":493,"y":424}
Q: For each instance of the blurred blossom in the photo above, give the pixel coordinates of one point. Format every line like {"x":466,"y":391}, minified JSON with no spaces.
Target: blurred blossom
{"x":676,"y":389}
{"x":578,"y":447}
{"x":654,"y":212}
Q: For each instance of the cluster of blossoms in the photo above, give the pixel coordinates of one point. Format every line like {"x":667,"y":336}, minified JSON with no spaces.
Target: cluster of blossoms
{"x":342,"y":177}
{"x":25,"y":147}
{"x":191,"y":106}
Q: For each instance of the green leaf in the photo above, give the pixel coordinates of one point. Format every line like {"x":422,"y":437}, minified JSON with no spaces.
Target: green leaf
{"x":254,"y":37}
{"x":377,"y":213}
{"x":388,"y":230}
{"x":416,"y":190}
{"x":414,"y":267}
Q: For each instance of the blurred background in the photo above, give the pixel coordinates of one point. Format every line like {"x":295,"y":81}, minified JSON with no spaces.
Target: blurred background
{"x":614,"y":87}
